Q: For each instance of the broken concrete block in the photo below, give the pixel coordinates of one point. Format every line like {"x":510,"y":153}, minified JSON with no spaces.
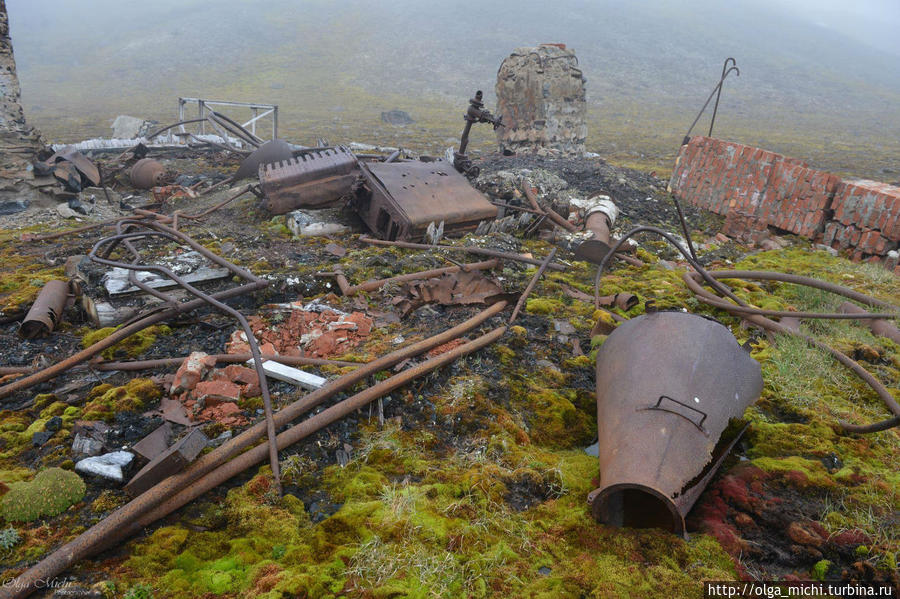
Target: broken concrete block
{"x":171,"y":461}
{"x":191,"y":372}
{"x":111,"y":466}
{"x":293,"y":376}
{"x":130,"y":127}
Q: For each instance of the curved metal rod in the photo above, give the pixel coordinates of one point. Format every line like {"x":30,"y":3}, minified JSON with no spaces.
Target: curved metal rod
{"x":126,"y":238}
{"x":719,"y":93}
{"x":753,"y":315}
{"x":239,"y":130}
{"x":687,"y":136}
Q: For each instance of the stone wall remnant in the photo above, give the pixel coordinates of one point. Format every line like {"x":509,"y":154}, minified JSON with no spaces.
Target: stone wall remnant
{"x":541,"y":97}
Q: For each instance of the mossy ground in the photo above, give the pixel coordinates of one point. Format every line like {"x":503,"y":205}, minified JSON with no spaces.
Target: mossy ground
{"x":476,"y":484}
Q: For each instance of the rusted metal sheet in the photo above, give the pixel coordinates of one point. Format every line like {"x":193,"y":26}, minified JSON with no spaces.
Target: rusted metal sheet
{"x":147,"y":173}
{"x":316,"y":177}
{"x":172,"y":460}
{"x":274,"y":151}
{"x":47,"y":310}
{"x":155,"y":443}
{"x":657,"y":433}
{"x":401,"y":199}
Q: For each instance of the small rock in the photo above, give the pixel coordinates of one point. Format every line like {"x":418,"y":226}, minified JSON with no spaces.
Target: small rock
{"x":41,"y":437}
{"x":13,"y":206}
{"x":86,"y":445}
{"x":826,"y":248}
{"x":54,"y":424}
{"x":220,"y":439}
{"x":563,"y":327}
{"x":111,"y":466}
{"x":544,"y":571}
{"x":396,"y":117}
{"x":547,"y":364}
{"x":66,"y":212}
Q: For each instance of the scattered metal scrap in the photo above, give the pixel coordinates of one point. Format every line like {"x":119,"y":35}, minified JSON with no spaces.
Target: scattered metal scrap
{"x":657,"y":432}
{"x":214,"y":468}
{"x":147,"y":173}
{"x":348,"y":289}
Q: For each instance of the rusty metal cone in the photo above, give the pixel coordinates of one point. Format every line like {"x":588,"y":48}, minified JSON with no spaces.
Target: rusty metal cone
{"x":667,"y":385}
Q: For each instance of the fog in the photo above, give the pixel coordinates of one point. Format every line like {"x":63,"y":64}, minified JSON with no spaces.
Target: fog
{"x":811,"y":71}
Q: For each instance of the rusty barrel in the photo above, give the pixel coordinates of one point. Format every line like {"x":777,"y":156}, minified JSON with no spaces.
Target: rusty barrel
{"x":667,"y":385}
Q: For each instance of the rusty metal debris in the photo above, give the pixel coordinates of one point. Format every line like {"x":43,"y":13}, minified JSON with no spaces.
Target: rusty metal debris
{"x":657,"y":432}
{"x":463,"y":248}
{"x":154,"y":230}
{"x":463,"y":287}
{"x":624,"y":301}
{"x":531,"y":284}
{"x":167,"y":462}
{"x":717,"y":91}
{"x":600,"y":216}
{"x":271,"y":152}
{"x":476,"y":113}
{"x":147,"y":173}
{"x":70,"y":167}
{"x":348,"y":290}
{"x":317,"y":176}
{"x":400,"y":199}
{"x":186,"y":485}
{"x":47,"y":310}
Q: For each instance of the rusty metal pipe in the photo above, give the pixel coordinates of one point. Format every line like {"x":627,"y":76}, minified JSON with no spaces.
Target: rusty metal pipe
{"x":531,"y":284}
{"x":770,"y":325}
{"x":623,"y":301}
{"x":550,"y":212}
{"x":47,"y":310}
{"x":90,"y":541}
{"x":314,"y":424}
{"x":415,"y":276}
{"x":221,"y":359}
{"x":465,"y":248}
{"x":879,"y":327}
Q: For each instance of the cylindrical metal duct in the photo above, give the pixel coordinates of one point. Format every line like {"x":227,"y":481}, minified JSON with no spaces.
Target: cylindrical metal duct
{"x":147,"y":173}
{"x":47,"y":310}
{"x":667,"y":384}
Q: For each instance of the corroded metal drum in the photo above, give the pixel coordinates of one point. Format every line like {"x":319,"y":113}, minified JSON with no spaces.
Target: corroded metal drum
{"x":667,"y":384}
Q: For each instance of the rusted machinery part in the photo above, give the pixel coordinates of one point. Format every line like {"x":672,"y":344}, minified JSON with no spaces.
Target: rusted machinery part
{"x":221,"y":146}
{"x":47,"y":310}
{"x":95,"y":538}
{"x":550,"y":212}
{"x":313,"y":424}
{"x":147,"y":173}
{"x":656,"y":433}
{"x":415,"y":276}
{"x":166,"y":219}
{"x":691,"y":279}
{"x":623,"y":301}
{"x":140,"y":324}
{"x":531,"y":284}
{"x":220,"y":359}
{"x":276,"y":150}
{"x":464,"y":248}
{"x":135,"y":265}
{"x":178,"y":124}
{"x":879,"y":327}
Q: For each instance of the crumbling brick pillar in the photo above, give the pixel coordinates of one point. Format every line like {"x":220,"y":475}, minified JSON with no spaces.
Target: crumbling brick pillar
{"x":18,"y":141}
{"x":540,"y":94}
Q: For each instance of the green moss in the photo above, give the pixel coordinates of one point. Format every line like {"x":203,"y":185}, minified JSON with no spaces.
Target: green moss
{"x":538,"y":305}
{"x":130,"y":347}
{"x":804,"y":473}
{"x":50,"y":493}
{"x":820,"y":569}
{"x":104,"y":401}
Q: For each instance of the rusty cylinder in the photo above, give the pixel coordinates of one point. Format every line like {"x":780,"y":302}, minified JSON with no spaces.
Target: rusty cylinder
{"x":667,"y":385}
{"x":147,"y":173}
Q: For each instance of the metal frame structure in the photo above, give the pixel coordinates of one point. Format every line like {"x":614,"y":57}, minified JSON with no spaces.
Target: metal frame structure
{"x":204,"y":105}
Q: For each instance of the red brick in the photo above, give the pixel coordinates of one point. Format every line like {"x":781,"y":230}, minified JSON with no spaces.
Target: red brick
{"x":215,"y":392}
{"x":191,"y":372}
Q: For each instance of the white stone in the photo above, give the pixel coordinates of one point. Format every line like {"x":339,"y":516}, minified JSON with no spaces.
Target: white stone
{"x":110,"y":466}
{"x":127,"y":127}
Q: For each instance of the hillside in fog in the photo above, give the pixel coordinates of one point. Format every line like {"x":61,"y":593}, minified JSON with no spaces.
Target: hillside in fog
{"x":807,"y":87}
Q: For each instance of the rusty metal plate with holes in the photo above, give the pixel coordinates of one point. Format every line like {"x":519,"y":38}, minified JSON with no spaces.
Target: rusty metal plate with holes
{"x":155,"y":443}
{"x":169,"y":462}
{"x":47,"y":310}
{"x":314,"y":178}
{"x":667,"y":385}
{"x":403,"y":198}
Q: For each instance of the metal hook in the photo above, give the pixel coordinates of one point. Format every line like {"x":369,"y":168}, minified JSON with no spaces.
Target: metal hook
{"x":726,"y":70}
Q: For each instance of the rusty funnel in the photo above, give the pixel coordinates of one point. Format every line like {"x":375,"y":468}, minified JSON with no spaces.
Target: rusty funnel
{"x":667,"y":384}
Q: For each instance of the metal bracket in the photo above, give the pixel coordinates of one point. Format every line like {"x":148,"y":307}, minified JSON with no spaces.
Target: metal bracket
{"x":660,"y":407}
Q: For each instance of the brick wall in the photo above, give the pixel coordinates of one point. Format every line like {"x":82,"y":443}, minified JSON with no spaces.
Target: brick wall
{"x":770,"y":189}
